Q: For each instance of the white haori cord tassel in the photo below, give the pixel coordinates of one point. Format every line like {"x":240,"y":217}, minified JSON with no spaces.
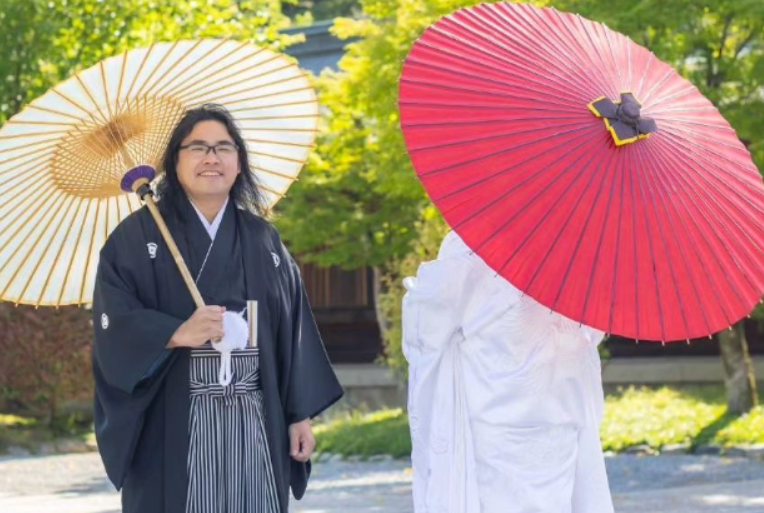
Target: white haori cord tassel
{"x":235,"y":337}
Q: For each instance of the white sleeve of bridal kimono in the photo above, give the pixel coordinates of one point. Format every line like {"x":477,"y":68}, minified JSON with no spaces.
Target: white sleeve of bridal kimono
{"x":592,"y":491}
{"x":446,"y":299}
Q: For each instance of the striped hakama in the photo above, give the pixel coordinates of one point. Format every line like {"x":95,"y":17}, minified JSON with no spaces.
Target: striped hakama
{"x":229,"y":465}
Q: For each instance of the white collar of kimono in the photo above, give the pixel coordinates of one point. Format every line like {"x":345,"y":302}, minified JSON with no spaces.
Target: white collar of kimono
{"x":212,"y":228}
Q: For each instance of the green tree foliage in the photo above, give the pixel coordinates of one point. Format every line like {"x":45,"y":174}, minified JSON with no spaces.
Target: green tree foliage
{"x":46,"y":41}
{"x":431,"y":229}
{"x":358,"y":198}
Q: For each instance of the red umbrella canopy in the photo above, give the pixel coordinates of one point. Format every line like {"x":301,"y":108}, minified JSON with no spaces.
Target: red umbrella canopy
{"x":585,"y":171}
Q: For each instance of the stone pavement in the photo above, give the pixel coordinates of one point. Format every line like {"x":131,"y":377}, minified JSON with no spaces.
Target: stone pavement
{"x":667,"y":484}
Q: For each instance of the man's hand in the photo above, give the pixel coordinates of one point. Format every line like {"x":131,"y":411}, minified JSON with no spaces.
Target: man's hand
{"x":301,"y":440}
{"x":205,"y":324}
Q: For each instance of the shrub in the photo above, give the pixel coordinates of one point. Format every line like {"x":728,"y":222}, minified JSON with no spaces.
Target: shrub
{"x":431,"y":231}
{"x":44,"y":360}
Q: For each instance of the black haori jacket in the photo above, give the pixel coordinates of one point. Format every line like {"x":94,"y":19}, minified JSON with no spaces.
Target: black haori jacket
{"x":142,"y":389}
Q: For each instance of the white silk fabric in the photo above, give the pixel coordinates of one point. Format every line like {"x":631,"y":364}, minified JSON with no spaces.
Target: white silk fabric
{"x":505,"y":397}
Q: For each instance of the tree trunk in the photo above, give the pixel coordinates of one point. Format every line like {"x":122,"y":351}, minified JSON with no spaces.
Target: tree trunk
{"x":740,"y":380}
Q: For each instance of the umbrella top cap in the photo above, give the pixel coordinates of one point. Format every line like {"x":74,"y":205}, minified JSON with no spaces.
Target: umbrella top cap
{"x":629,"y":113}
{"x":623,"y":118}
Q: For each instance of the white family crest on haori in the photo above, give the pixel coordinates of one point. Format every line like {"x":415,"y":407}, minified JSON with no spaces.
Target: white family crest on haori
{"x":276,"y":259}
{"x":104,"y":321}
{"x":152,"y":250}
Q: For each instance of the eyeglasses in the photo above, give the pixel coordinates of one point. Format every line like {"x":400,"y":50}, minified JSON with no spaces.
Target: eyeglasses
{"x":202,"y":149}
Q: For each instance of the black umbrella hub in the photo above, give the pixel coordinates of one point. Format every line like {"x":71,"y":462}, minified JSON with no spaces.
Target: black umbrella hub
{"x":623,"y":118}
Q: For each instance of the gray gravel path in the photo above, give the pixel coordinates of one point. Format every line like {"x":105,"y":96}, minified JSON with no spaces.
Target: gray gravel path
{"x":646,"y":473}
{"x":668,"y":484}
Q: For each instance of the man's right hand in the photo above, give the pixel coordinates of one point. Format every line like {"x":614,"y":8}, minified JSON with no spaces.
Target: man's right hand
{"x":205,"y":324}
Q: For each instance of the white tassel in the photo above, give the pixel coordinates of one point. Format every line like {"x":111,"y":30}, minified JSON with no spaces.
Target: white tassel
{"x":235,"y":337}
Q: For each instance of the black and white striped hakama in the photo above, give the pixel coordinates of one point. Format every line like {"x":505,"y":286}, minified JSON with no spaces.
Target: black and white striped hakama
{"x":229,"y":465}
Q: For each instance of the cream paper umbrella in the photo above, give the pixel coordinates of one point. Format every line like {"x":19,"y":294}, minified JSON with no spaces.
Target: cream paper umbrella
{"x":65,"y":159}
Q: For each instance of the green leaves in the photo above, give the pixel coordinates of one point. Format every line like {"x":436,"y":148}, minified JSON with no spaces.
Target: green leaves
{"x":46,"y":41}
{"x":656,"y":418}
{"x":358,"y":199}
{"x":381,"y":432}
{"x":666,"y":416}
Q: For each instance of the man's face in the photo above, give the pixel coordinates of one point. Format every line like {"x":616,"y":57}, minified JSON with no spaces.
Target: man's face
{"x":205,"y":173}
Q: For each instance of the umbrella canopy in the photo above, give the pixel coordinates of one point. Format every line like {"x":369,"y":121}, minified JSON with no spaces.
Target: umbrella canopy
{"x":63,"y":158}
{"x":585,"y":171}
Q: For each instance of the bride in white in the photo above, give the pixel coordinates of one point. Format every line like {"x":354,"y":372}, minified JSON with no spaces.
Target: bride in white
{"x":505,"y":397}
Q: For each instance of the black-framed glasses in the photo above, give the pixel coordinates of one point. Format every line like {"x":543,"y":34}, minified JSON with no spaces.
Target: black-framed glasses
{"x":199,"y":149}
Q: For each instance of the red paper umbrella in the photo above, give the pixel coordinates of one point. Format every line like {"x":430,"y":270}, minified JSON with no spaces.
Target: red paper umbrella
{"x":585,"y":171}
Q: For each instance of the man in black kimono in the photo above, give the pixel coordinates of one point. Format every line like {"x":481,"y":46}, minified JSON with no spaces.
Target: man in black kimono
{"x":148,"y":333}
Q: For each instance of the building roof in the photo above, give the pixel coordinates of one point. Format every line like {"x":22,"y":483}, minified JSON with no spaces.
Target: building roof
{"x":321,"y":48}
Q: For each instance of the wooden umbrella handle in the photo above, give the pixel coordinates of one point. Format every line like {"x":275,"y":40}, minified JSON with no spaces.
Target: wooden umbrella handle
{"x":182,"y":267}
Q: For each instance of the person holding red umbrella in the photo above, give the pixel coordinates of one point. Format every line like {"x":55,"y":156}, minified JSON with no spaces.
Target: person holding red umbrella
{"x":505,"y":398}
{"x":591,"y":189}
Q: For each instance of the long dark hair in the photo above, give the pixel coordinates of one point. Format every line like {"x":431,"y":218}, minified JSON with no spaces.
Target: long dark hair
{"x":245,"y":193}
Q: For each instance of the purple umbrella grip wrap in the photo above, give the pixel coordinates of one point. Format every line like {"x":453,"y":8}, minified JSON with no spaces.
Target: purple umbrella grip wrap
{"x":144,"y":174}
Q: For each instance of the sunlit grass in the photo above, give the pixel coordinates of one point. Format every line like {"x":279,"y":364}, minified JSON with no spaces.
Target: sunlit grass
{"x":656,"y":417}
{"x":381,"y":432}
{"x":745,"y":430}
{"x":666,"y":416}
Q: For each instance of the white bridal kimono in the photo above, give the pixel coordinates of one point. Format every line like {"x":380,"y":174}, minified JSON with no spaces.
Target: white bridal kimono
{"x":505,"y":398}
